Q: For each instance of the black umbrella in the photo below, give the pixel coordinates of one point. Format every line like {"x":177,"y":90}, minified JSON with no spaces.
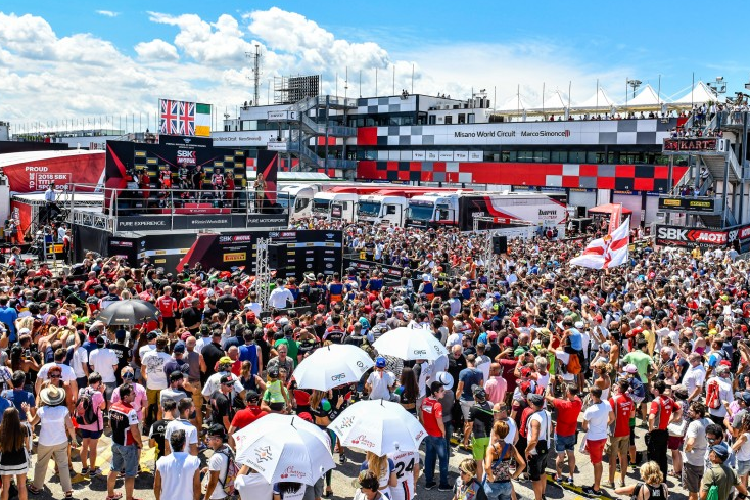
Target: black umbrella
{"x":129,"y":312}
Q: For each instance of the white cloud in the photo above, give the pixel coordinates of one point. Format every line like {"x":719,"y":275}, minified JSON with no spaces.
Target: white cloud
{"x":157,"y":50}
{"x":108,"y":13}
{"x":205,"y":60}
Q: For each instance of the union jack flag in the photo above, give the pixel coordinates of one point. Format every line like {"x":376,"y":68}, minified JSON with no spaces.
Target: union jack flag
{"x":187,"y":118}
{"x":169,"y":116}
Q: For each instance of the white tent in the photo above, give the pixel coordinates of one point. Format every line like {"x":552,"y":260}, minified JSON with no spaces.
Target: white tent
{"x":515,"y":102}
{"x":700,"y":94}
{"x":647,"y":97}
{"x":555,"y":100}
{"x":600,"y":99}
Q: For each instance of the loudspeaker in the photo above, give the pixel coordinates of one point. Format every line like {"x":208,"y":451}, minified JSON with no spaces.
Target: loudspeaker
{"x":278,"y":258}
{"x":500,"y":245}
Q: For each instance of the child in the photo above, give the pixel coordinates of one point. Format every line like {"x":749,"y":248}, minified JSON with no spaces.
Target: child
{"x":467,"y":487}
{"x":276,"y":396}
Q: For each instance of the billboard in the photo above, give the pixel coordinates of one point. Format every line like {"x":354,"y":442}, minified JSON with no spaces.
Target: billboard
{"x":682,"y":204}
{"x":60,"y":167}
{"x":681,"y":236}
{"x":184,"y":118}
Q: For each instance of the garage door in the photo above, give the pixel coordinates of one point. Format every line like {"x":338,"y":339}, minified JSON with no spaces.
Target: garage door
{"x":582,"y":199}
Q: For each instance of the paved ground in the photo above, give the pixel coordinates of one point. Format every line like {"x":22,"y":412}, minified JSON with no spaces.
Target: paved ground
{"x":343,"y":478}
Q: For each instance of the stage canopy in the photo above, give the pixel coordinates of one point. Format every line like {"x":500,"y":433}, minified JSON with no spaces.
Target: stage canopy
{"x":608,"y":209}
{"x":700,"y":94}
{"x":647,"y":97}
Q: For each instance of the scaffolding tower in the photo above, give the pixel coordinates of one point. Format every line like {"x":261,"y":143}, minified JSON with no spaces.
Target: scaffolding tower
{"x":292,"y":89}
{"x":262,"y":282}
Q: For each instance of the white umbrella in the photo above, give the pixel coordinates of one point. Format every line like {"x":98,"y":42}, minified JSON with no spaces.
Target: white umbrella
{"x":331,"y":366}
{"x":378,"y":426}
{"x":408,"y":344}
{"x":285,"y":448}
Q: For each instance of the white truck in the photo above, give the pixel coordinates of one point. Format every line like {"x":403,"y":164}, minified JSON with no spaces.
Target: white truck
{"x":298,"y":198}
{"x":334,"y":206}
{"x":382,"y":209}
{"x":491,"y":209}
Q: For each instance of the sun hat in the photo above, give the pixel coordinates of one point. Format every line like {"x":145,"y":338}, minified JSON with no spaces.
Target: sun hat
{"x":446,"y":379}
{"x":52,"y":396}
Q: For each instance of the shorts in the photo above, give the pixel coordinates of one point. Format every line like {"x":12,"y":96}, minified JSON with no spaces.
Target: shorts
{"x":479,"y":447}
{"x":109,"y":388}
{"x":632,"y":436}
{"x":277,"y":406}
{"x":537,"y":465}
{"x":499,"y":491}
{"x":743,"y":467}
{"x":152,"y":396}
{"x":691,"y":477}
{"x":675,"y":442}
{"x":596,"y":450}
{"x":618,"y":445}
{"x":169,"y":325}
{"x":565,"y":443}
{"x":717,"y":420}
{"x":466,"y":408}
{"x":197,"y":396}
{"x":89,"y":434}
{"x":124,"y":459}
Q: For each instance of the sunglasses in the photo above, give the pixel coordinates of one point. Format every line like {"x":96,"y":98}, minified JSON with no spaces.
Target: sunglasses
{"x":55,"y":376}
{"x":128,"y":375}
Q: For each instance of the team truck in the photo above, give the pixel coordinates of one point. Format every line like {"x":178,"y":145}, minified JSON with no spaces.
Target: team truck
{"x":382,"y":209}
{"x":334,"y":206}
{"x":491,"y":209}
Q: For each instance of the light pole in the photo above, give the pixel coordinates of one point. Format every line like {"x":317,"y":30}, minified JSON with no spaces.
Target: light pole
{"x":719,"y":86}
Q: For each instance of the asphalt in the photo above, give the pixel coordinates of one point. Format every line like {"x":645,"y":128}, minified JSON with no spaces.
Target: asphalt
{"x":343,"y":477}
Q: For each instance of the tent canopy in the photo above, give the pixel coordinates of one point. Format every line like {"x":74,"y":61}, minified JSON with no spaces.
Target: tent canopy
{"x":515,"y":102}
{"x":647,"y":97}
{"x":698,"y":95}
{"x":609,"y":209}
{"x":555,"y":100}
{"x":600,"y":100}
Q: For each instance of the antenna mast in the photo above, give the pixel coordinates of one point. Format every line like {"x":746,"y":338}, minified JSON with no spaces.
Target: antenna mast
{"x":256,"y":73}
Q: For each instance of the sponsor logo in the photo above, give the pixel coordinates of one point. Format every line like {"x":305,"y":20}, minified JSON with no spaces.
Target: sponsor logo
{"x":142,"y":223}
{"x":187,"y":140}
{"x":263,"y":454}
{"x":420,"y":435}
{"x":235,"y":257}
{"x":681,"y":236}
{"x":273,"y":234}
{"x":360,"y":364}
{"x":346,"y":422}
{"x":419,"y":352}
{"x":329,"y":266}
{"x":160,"y":261}
{"x":186,"y":157}
{"x":733,"y":235}
{"x":330,"y":236}
{"x":337,"y":377}
{"x":160,"y":252}
{"x":745,"y":232}
{"x":362,"y":440}
{"x":292,"y":473}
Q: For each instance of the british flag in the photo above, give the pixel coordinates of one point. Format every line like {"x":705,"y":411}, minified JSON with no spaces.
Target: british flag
{"x":169,"y":116}
{"x":176,"y":117}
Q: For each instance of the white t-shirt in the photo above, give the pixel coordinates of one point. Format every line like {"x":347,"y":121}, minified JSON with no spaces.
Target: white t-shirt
{"x":257,"y":309}
{"x":176,"y":471}
{"x":512,"y":431}
{"x":153,"y":365}
{"x":67,"y":372}
{"x":253,"y":486}
{"x":404,"y":463}
{"x":597,"y":416}
{"x":80,"y":356}
{"x":52,"y":431}
{"x":565,"y":357}
{"x":103,"y":361}
{"x":201,"y":342}
{"x":543,"y":418}
{"x":218,"y":461}
{"x":380,"y":384}
{"x":695,"y":376}
{"x":191,"y":433}
{"x":146,"y":348}
{"x":214,"y":382}
{"x":725,"y":395}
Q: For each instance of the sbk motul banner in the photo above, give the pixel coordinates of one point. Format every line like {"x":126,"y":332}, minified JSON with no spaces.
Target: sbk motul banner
{"x":685,"y":237}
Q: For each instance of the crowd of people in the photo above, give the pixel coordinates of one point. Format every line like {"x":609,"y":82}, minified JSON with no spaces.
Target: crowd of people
{"x":545,"y":362}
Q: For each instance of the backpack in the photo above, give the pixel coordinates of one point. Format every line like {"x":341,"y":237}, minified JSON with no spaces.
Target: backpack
{"x":85,"y":412}
{"x":637,"y":390}
{"x":232,"y":471}
{"x":712,"y":395}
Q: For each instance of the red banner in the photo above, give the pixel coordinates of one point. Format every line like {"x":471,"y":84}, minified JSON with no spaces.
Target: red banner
{"x":33,"y":176}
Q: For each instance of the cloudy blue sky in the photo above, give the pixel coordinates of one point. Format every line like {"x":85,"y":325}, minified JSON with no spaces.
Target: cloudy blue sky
{"x":60,"y":60}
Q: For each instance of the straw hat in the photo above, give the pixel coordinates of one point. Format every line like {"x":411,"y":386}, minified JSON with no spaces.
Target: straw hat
{"x":52,"y":396}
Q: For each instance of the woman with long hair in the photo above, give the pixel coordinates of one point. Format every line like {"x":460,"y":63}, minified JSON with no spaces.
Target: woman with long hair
{"x":385,"y":470}
{"x":497,"y":463}
{"x":601,"y":378}
{"x":16,"y":451}
{"x":652,"y":480}
{"x":741,"y":447}
{"x":321,"y":408}
{"x":408,"y":390}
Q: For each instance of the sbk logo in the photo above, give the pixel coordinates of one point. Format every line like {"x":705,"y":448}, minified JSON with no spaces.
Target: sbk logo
{"x":733,"y":235}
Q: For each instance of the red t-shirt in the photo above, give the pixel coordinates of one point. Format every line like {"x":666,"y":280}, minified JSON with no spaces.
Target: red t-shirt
{"x":247,"y":416}
{"x":508,"y":366}
{"x":622,"y":406}
{"x":432,"y":410}
{"x":525,"y":414}
{"x":667,"y":405}
{"x":167,"y":306}
{"x":567,"y":416}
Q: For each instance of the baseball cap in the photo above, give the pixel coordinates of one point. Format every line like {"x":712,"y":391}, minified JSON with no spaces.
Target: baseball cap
{"x":225,"y":379}
{"x":492,"y":335}
{"x":631,"y":368}
{"x":478,"y":392}
{"x":24,"y":331}
{"x":185,"y":336}
{"x":176,"y":375}
{"x":151,"y":335}
{"x":525,"y":371}
{"x":100,"y":341}
{"x":605,"y":347}
{"x":721,"y":449}
{"x":380,"y":362}
{"x":273,"y":372}
{"x":536,"y":399}
{"x":120,"y":334}
{"x":225,"y":360}
{"x":251,"y":395}
{"x":179,"y":348}
{"x":216,"y":430}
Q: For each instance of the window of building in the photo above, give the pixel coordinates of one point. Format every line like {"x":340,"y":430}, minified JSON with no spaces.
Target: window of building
{"x":542,"y":157}
{"x":559,"y":157}
{"x":471,"y":118}
{"x":525,"y":156}
{"x":461,"y":118}
{"x":577,"y":157}
{"x":431,"y":119}
{"x":448,"y":120}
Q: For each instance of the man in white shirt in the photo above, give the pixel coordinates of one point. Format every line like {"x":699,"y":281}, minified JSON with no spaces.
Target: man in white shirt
{"x":177,"y":476}
{"x":105,"y":362}
{"x":152,"y":369}
{"x":280,"y":296}
{"x":695,"y":377}
{"x":380,"y":382}
{"x":185,"y":407}
{"x":217,"y":464}
{"x":596,"y":421}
